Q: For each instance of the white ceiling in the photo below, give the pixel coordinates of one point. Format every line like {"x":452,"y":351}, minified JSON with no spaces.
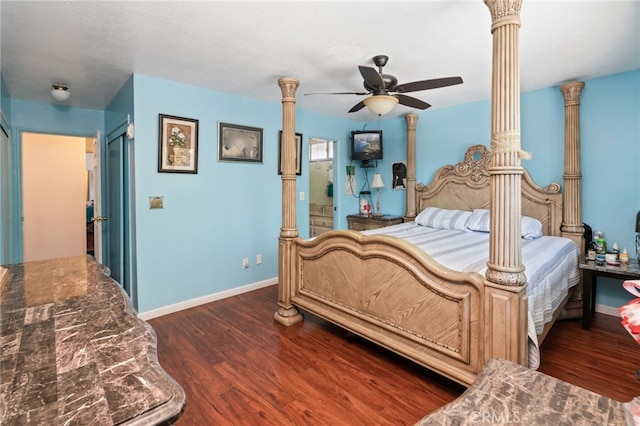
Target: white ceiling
{"x":243,"y":47}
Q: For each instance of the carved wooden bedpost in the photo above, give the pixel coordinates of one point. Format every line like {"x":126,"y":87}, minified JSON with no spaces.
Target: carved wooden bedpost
{"x":505,"y":296}
{"x":410,"y":211}
{"x":287,"y":314}
{"x":572,"y":226}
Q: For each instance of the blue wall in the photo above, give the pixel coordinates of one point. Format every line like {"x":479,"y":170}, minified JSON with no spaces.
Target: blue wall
{"x":5,"y":100}
{"x":211,"y":220}
{"x":52,"y":118}
{"x":313,"y":125}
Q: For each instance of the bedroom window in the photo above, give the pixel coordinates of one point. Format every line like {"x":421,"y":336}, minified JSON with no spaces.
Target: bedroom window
{"x":320,"y":150}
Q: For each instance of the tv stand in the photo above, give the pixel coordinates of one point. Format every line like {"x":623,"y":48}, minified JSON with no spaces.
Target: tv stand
{"x":367,"y":164}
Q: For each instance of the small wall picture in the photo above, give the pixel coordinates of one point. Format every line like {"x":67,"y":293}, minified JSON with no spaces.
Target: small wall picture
{"x":399,"y":175}
{"x":298,"y":154}
{"x":178,"y":145}
{"x":239,"y":143}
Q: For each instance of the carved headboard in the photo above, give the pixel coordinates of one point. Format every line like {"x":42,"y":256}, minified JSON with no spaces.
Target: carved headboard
{"x":467,"y":186}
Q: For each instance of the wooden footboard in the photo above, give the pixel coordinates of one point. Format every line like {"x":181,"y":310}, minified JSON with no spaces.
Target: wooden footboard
{"x":394,"y":294}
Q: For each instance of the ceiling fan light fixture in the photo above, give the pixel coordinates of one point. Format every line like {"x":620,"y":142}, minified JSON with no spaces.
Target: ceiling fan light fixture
{"x":380,"y":104}
{"x":60,"y":92}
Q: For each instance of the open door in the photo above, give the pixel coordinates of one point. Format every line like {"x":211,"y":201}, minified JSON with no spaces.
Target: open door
{"x":97,"y":203}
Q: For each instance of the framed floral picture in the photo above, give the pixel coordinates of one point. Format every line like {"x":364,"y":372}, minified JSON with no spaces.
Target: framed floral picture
{"x":239,"y":143}
{"x":178,"y":145}
{"x":298,"y":154}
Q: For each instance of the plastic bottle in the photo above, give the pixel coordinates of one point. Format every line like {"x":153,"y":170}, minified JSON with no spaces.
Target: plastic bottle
{"x":624,"y":256}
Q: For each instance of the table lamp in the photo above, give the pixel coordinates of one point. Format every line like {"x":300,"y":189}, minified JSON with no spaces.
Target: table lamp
{"x":377,"y":184}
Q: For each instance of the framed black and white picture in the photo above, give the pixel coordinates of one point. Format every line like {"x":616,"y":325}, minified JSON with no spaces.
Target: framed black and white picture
{"x":239,"y":143}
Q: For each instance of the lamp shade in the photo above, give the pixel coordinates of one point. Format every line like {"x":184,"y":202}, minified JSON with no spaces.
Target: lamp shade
{"x":60,"y":93}
{"x":377,"y":181}
{"x":380,"y":104}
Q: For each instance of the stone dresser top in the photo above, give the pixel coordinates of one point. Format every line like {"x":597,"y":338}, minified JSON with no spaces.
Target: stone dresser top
{"x":72,"y":350}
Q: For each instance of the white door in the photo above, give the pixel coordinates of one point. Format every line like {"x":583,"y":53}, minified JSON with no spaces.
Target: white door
{"x":54,"y":194}
{"x":97,"y":203}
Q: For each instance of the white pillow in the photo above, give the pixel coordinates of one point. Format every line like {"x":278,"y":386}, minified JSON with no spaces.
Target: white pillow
{"x":438,"y":218}
{"x":479,"y":221}
{"x":530,"y":228}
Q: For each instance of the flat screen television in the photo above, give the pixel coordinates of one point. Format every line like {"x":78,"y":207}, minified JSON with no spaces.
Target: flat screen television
{"x":366,"y":145}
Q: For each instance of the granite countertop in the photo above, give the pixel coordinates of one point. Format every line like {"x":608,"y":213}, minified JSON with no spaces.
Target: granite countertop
{"x":72,"y":350}
{"x":508,"y":393}
{"x":632,"y":268}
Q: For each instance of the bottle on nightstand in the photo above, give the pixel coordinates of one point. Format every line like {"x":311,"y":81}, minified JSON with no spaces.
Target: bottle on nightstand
{"x":624,"y":256}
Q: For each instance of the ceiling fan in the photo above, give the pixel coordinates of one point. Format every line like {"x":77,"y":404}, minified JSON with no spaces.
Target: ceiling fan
{"x":386,"y":92}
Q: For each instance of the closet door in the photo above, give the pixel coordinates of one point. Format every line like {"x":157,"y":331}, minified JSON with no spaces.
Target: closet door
{"x":4,"y":169}
{"x":115,"y":210}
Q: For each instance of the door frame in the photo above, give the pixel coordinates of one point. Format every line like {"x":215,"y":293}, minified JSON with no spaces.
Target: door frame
{"x":335,"y":164}
{"x":42,"y":238}
{"x":16,"y":211}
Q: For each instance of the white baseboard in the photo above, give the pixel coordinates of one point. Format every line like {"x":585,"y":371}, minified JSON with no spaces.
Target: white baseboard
{"x":607,"y":310}
{"x":165,"y":310}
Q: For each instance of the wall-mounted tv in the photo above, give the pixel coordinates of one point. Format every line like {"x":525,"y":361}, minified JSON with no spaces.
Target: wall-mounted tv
{"x":366,"y":145}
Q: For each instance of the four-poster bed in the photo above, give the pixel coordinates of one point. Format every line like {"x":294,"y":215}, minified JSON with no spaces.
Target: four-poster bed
{"x":394,"y":294}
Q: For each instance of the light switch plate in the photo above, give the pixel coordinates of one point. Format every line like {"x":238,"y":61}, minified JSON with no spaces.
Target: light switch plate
{"x":156,"y":202}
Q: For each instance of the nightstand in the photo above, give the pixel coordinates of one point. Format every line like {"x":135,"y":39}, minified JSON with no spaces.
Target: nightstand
{"x":591,"y":271}
{"x":362,"y":223}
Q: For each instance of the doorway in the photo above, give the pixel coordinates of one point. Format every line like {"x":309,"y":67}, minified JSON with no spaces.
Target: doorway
{"x":54,"y":196}
{"x":321,"y":178}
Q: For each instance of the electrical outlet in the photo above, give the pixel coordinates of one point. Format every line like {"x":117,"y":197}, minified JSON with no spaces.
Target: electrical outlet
{"x":258,"y":259}
{"x":302,"y":196}
{"x":245,"y":263}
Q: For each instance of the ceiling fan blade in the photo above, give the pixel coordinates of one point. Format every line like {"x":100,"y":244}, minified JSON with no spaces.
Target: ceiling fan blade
{"x":412,"y":102}
{"x":337,"y":93}
{"x":357,"y":107}
{"x":371,"y":78}
{"x":427,"y":84}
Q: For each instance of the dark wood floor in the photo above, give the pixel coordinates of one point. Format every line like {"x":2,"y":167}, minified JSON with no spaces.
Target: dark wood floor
{"x":237,"y":366}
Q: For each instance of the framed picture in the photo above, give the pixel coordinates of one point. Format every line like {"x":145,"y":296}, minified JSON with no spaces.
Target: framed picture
{"x":239,"y":143}
{"x":178,"y":145}
{"x":298,"y":154}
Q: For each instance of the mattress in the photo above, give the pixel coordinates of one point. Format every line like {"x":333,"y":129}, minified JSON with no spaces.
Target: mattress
{"x":551,"y":266}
